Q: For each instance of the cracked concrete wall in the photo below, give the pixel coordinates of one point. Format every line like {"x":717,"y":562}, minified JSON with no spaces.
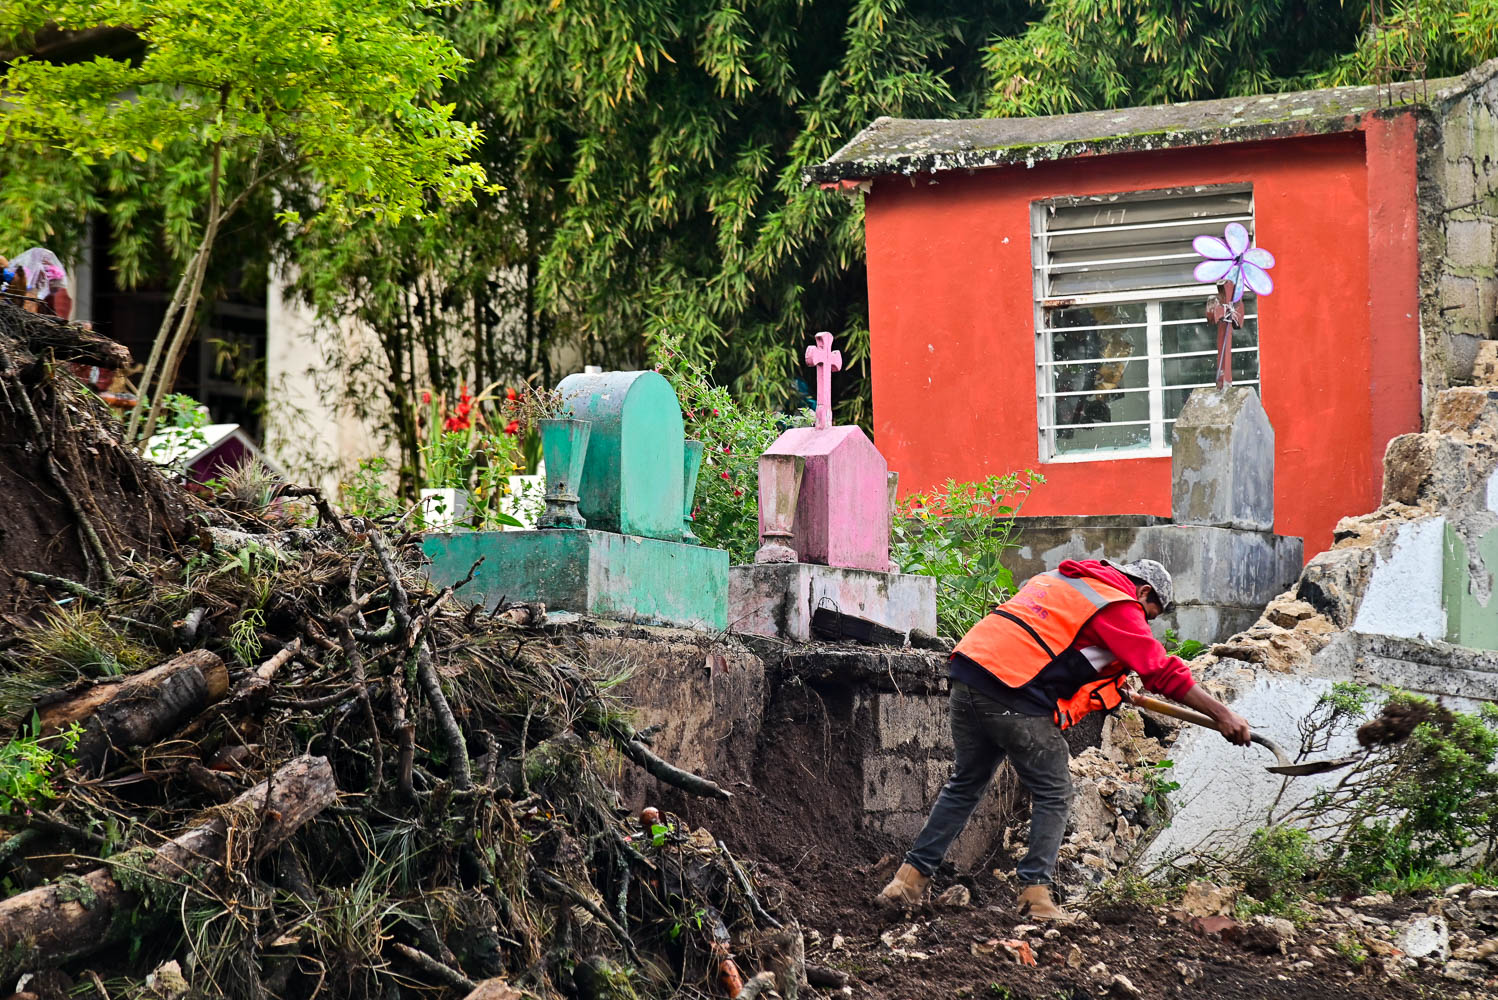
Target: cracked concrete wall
{"x":1458,"y":207}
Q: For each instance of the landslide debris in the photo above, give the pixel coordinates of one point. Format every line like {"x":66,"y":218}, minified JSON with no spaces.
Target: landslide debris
{"x":298,"y":769}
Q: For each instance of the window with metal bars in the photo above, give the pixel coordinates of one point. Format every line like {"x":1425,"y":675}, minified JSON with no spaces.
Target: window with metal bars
{"x":1121,"y":336}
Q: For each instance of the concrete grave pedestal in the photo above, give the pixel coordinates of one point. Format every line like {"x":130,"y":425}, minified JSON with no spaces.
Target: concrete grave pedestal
{"x":630,"y":562}
{"x":778,"y":599}
{"x":625,"y":577}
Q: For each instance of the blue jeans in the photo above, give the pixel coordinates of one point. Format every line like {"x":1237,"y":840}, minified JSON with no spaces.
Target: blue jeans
{"x":984,"y":733}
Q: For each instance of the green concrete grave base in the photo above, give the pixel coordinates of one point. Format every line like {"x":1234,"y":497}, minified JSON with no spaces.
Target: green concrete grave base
{"x":625,"y":577}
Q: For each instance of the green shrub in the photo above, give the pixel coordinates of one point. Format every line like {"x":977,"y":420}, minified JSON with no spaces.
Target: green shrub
{"x":367,"y":493}
{"x":1277,"y":864}
{"x":958,"y":533}
{"x":1186,"y":649}
{"x":1435,"y":796}
{"x":726,"y":508}
{"x":27,"y":764}
{"x":1418,"y":810}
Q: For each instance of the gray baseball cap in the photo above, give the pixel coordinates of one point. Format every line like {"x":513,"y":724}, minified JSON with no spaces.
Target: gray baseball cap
{"x":1150,"y":572}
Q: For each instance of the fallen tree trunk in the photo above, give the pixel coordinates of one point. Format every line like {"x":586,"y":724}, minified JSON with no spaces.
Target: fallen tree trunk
{"x":138,"y":710}
{"x":75,"y":916}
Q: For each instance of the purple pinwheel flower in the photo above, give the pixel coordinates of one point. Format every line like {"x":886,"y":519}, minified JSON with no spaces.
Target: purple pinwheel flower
{"x":1232,"y":257}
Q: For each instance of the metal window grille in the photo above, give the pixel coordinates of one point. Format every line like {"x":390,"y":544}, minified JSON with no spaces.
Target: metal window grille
{"x":1120,"y":335}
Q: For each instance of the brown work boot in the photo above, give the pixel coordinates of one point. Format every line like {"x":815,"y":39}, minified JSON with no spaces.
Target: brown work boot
{"x":906,"y":887}
{"x":1036,"y":903}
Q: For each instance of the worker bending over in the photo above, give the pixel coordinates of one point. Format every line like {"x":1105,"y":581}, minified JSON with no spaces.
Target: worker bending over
{"x":1060,"y":648}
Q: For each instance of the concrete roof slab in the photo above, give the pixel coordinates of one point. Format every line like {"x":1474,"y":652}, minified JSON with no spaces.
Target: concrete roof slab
{"x":923,"y":146}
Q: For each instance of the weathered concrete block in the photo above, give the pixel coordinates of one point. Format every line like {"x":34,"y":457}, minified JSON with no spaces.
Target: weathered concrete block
{"x":1459,"y":180}
{"x":624,"y":577}
{"x":915,"y":719}
{"x":894,"y":783}
{"x":707,"y":701}
{"x":1457,"y":140}
{"x":1222,"y":565}
{"x":778,"y":599}
{"x":1458,"y":299}
{"x":1469,"y":242}
{"x":1222,"y":465}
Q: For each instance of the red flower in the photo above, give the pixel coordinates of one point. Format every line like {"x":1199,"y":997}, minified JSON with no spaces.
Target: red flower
{"x":511,"y":395}
{"x":715,"y":413}
{"x":426,"y":397}
{"x":738,"y":493}
{"x":465,"y":408}
{"x":724,"y":474}
{"x":458,"y":423}
{"x":513,"y":427}
{"x":728,"y":449}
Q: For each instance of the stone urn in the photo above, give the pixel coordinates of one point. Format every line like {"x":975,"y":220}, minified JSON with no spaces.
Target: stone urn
{"x":444,"y":509}
{"x":691,"y":464}
{"x":779,"y":489}
{"x":564,"y":443}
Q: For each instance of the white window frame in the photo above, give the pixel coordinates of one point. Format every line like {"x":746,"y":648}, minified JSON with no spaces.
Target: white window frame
{"x":1153,"y":298}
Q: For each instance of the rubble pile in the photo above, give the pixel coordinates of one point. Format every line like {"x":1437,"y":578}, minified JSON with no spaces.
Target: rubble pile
{"x":1120,"y":799}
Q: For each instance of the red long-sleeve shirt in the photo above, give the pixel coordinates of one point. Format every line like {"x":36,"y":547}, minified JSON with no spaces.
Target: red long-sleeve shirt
{"x":1123,"y":629}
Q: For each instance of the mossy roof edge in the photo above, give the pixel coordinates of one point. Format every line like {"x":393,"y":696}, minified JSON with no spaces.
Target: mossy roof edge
{"x":926,"y":146}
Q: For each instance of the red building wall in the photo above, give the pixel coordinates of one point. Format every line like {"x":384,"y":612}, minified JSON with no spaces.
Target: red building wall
{"x":953,"y":329}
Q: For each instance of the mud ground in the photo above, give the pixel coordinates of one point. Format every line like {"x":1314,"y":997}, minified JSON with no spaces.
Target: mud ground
{"x":799,"y":824}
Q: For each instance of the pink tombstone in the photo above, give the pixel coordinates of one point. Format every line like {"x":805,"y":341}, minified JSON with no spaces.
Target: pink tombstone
{"x":842,"y":513}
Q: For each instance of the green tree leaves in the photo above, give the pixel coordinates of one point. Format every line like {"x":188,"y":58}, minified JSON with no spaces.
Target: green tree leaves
{"x":225,"y":98}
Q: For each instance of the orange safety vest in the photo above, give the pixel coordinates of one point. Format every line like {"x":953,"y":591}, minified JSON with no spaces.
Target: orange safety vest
{"x":1027,"y":641}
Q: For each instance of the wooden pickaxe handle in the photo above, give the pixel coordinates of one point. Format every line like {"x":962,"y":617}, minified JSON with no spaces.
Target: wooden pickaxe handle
{"x":1197,"y":719}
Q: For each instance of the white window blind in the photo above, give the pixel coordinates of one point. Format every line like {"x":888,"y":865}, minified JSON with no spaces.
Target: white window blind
{"x":1121,"y":335}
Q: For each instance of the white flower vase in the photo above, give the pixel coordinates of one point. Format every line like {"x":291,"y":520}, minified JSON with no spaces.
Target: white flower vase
{"x":444,"y":509}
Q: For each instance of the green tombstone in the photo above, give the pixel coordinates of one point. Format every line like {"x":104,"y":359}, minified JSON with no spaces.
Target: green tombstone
{"x":632,"y":478}
{"x":630,"y":562}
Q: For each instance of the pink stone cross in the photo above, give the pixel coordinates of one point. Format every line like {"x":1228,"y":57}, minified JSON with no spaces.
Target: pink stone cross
{"x":827,"y":361}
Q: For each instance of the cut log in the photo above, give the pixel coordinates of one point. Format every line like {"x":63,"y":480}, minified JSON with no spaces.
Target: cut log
{"x":122,"y":713}
{"x":76,"y":916}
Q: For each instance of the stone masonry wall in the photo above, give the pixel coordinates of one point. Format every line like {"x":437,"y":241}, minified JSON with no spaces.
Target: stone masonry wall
{"x":905,"y":767}
{"x":1458,"y":207}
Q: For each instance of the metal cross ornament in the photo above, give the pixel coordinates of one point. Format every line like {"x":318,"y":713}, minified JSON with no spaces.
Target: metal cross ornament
{"x":1232,"y":264}
{"x":826,"y":361}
